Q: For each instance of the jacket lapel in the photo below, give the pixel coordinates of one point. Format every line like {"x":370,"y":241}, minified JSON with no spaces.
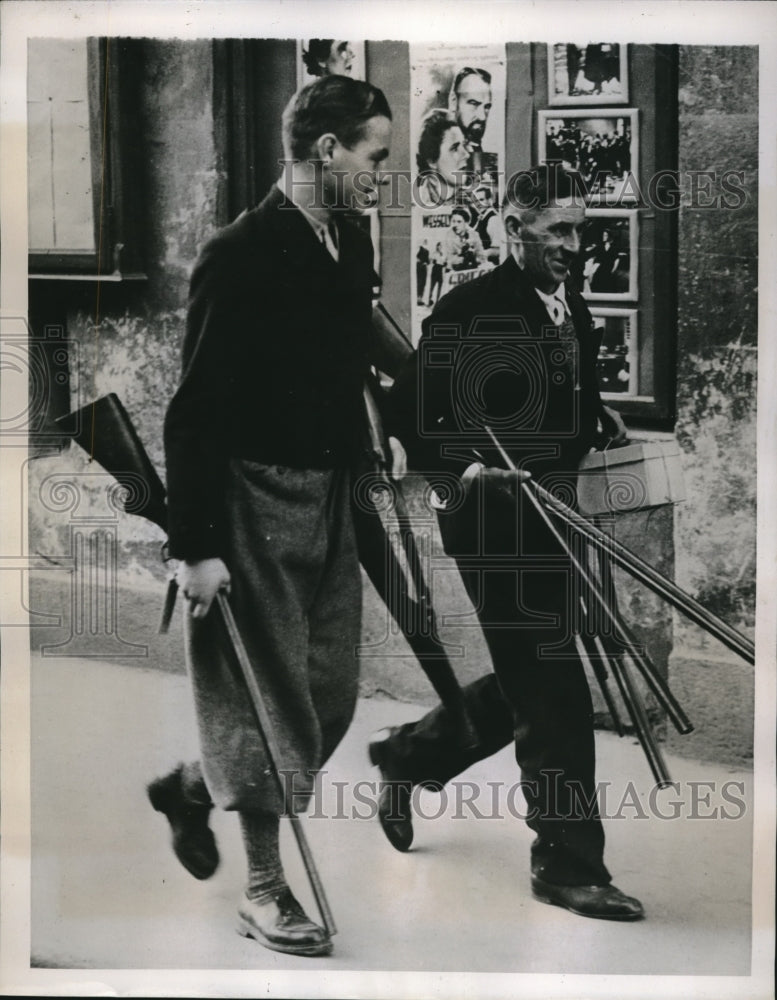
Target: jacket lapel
{"x":296,"y":239}
{"x":519,"y":294}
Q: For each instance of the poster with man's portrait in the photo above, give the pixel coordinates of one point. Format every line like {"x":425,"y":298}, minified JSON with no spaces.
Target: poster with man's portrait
{"x":457,"y":114}
{"x":592,"y":73}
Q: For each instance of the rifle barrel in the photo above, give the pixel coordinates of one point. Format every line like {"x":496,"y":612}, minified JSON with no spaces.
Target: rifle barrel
{"x":650,"y":577}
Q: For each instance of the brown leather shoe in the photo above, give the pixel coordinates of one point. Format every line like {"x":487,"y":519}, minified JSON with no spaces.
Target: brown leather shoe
{"x":394,"y":811}
{"x":282,"y":925}
{"x":602,"y":901}
{"x":193,"y":840}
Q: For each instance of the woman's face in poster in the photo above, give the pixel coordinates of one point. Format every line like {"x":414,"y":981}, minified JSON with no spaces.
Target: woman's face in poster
{"x":453,"y":155}
{"x":340,"y":61}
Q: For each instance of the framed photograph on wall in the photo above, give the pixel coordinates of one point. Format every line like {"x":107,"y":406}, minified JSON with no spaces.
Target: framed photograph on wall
{"x":594,"y":73}
{"x":329,"y":57}
{"x":602,"y":144}
{"x":609,"y":257}
{"x":617,"y":364}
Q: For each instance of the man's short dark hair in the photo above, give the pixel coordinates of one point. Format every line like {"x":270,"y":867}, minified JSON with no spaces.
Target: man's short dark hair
{"x":336,"y":104}
{"x":542,"y":186}
{"x":484,"y":75}
{"x":459,"y":210}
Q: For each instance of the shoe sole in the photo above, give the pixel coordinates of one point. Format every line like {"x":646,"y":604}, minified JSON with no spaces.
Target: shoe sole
{"x":247,"y":930}
{"x":159,"y":797}
{"x":584,"y":913}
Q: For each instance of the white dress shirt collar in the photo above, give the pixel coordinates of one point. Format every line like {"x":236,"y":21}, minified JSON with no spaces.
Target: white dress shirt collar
{"x":556,"y":304}
{"x":326,"y":234}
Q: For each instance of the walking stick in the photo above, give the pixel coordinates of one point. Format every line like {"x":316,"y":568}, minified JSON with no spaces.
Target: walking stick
{"x":268,"y":736}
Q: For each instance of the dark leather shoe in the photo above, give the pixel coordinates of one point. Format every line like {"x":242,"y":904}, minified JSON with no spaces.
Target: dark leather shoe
{"x":282,"y":925}
{"x":193,"y":840}
{"x":602,"y":901}
{"x":394,"y":810}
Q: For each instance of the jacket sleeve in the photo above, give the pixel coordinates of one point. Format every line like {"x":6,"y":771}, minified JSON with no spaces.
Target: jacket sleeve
{"x":199,"y":420}
{"x":591,"y":344}
{"x":422,"y":408}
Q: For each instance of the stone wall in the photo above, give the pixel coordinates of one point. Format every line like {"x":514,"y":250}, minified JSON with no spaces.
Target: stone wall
{"x":717,"y":335}
{"x":129,"y":338}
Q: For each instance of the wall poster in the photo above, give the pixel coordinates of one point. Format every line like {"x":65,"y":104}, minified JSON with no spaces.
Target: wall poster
{"x":457,"y":116}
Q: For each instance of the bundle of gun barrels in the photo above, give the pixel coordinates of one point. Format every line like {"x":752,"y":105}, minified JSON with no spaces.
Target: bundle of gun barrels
{"x":605,"y":638}
{"x":602,"y":636}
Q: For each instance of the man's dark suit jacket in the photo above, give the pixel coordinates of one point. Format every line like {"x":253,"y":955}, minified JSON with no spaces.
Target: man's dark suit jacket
{"x":489,"y":353}
{"x":274,"y":360}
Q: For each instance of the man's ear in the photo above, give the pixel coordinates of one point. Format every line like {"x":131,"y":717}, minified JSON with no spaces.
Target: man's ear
{"x":325,"y":145}
{"x":512,"y":226}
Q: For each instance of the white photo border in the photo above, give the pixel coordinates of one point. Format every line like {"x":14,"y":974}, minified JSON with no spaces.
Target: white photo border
{"x":632,"y":216}
{"x":631,"y":316}
{"x":629,"y":192}
{"x":745,"y":22}
{"x":569,"y":100}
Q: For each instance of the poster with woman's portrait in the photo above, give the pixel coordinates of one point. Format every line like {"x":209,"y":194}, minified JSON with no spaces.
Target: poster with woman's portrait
{"x":329,"y":57}
{"x":457,"y":114}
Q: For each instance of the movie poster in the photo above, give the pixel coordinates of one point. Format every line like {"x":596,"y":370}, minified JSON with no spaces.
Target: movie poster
{"x":329,"y":57}
{"x":457,"y":129}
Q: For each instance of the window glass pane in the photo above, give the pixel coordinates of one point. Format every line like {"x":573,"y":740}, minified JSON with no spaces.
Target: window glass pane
{"x":61,"y":209}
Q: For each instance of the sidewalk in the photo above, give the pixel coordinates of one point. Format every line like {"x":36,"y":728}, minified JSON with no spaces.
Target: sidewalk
{"x":108,"y":893}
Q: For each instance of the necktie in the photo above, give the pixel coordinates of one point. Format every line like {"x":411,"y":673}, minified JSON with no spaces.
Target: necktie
{"x":329,"y":239}
{"x":565,"y":356}
{"x":558,"y":310}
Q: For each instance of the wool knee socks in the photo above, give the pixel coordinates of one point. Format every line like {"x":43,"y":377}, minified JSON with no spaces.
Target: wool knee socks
{"x":265,"y":872}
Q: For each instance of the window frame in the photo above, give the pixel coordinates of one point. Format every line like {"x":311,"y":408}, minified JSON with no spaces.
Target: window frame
{"x":113,"y":69}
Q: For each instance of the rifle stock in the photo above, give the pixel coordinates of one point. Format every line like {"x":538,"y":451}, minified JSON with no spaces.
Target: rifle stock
{"x":106,"y":433}
{"x":389,"y":346}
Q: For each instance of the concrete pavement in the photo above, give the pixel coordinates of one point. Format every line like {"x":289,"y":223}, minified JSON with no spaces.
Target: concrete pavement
{"x":107,"y":892}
